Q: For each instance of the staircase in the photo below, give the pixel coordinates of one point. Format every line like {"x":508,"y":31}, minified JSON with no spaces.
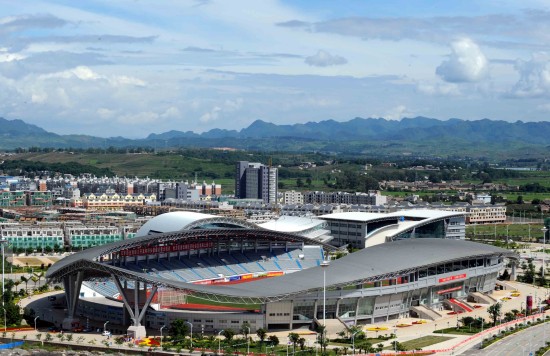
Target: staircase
{"x":424,"y":312}
{"x":333,"y":326}
{"x":458,"y":305}
{"x":481,"y":298}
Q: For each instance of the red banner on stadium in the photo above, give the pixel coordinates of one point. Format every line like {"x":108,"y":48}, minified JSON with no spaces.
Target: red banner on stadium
{"x":452,"y":278}
{"x":140,"y":251}
{"x":448,"y":290}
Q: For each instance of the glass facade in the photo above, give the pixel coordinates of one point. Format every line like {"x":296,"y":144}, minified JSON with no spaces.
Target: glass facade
{"x":304,"y":310}
{"x":347,"y":306}
{"x":366,"y":306}
{"x":432,"y":230}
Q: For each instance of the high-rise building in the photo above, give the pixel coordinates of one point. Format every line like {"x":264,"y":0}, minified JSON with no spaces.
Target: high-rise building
{"x":256,"y":181}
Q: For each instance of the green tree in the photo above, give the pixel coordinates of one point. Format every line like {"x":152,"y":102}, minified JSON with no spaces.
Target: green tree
{"x":228,"y":334}
{"x":299,"y":182}
{"x":302,"y":343}
{"x":293,"y":338}
{"x":273,"y":340}
{"x":494,"y":311}
{"x":178,"y":329}
{"x":261,"y":332}
{"x":245,"y":329}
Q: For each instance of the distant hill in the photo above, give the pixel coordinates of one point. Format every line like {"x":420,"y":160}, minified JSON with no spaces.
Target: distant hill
{"x":372,"y":136}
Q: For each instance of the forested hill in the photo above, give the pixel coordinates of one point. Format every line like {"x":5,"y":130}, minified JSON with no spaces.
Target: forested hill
{"x":419,"y":135}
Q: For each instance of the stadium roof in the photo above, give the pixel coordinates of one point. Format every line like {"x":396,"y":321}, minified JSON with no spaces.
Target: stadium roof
{"x":368,"y":265}
{"x":412,"y":213}
{"x":178,"y":220}
{"x":294,"y":224}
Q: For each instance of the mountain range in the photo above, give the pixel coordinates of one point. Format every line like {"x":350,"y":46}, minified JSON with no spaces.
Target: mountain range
{"x":371,"y":136}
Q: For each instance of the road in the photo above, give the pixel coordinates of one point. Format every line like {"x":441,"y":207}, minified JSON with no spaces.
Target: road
{"x":522,"y":343}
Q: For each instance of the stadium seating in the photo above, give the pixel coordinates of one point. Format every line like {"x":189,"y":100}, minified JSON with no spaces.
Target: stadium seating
{"x":194,"y":268}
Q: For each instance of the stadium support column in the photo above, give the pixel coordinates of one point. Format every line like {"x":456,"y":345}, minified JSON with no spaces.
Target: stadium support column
{"x":72,"y":285}
{"x":135,"y":330}
{"x":513,"y":274}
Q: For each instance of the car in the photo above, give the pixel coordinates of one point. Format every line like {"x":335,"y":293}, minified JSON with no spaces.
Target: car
{"x":54,"y":329}
{"x":78,"y":329}
{"x":87,"y":330}
{"x":106,"y":333}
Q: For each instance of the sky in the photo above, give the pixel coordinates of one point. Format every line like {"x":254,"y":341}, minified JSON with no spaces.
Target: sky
{"x":134,"y":67}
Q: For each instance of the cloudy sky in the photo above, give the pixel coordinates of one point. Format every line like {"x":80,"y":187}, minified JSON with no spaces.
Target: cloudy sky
{"x":135,"y":67}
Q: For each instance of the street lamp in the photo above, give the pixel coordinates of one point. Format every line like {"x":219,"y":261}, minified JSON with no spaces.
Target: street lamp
{"x":220,"y":342}
{"x":162,"y":327}
{"x":35,"y":322}
{"x":324,"y":266}
{"x":247,"y":341}
{"x":544,"y":229}
{"x":395,"y":342}
{"x":3,"y":241}
{"x":353,"y":340}
{"x":105,"y":326}
{"x":191,"y":325}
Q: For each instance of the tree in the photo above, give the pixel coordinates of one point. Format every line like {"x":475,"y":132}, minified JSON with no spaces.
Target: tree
{"x":309,"y":182}
{"x":245,"y":329}
{"x":509,"y":316}
{"x":35,"y":280}
{"x":178,"y":329}
{"x":228,"y":334}
{"x":273,"y":339}
{"x":494,"y":311}
{"x":299,"y":183}
{"x":293,"y":338}
{"x":26,"y":281}
{"x":302,"y":343}
{"x":261,"y":332}
{"x":505,"y":276}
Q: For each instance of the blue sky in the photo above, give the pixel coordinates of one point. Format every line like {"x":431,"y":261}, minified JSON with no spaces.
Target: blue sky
{"x":131,"y":68}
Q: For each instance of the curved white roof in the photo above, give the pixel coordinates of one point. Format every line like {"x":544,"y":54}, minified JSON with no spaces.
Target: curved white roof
{"x":413,"y":213}
{"x":291,"y":224}
{"x":173,"y":221}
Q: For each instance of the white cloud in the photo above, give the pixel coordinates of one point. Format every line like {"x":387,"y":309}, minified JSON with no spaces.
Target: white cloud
{"x":534,"y":76}
{"x":212,"y":115}
{"x":439,"y":89}
{"x":466,"y":63}
{"x":325,"y":59}
{"x":544,"y":108}
{"x":105,"y":113}
{"x":397,"y":113}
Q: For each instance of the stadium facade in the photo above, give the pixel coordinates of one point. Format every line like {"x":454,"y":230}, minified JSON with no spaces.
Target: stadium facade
{"x":206,"y":259}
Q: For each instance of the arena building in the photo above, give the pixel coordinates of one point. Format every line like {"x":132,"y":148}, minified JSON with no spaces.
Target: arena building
{"x":218,"y":272}
{"x":361,"y":230}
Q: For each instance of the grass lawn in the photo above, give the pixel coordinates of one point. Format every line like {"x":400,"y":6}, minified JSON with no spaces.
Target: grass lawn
{"x":424,"y":341}
{"x":461,"y":331}
{"x":372,"y":341}
{"x":514,"y":230}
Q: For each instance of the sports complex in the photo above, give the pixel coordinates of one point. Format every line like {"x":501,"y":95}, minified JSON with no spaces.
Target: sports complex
{"x":218,"y":272}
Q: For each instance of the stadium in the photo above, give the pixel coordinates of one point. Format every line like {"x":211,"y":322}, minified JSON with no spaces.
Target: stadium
{"x":219,"y":272}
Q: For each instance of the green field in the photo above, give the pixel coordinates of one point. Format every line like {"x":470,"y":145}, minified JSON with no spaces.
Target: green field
{"x":424,"y":341}
{"x":514,"y":231}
